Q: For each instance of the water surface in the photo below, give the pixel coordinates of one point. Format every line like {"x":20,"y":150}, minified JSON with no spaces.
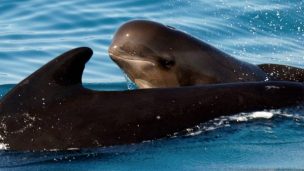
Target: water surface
{"x":259,"y":31}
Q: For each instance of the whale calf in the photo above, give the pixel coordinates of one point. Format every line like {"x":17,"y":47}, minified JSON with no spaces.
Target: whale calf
{"x":155,"y":55}
{"x":50,"y":109}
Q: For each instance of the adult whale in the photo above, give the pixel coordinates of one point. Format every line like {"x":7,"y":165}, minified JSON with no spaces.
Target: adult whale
{"x":51,"y":109}
{"x":155,"y":55}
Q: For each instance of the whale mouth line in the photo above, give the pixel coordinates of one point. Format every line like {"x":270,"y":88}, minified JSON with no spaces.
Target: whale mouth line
{"x":126,"y":57}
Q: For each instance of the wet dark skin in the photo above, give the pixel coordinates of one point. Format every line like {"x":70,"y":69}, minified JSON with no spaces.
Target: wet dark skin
{"x":154,"y":55}
{"x":51,"y":109}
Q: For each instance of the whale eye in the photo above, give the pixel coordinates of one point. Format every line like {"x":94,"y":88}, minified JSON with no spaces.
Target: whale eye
{"x":166,"y":63}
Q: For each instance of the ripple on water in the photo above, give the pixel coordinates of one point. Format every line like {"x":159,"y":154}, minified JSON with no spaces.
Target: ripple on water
{"x":34,"y":32}
{"x":259,"y":31}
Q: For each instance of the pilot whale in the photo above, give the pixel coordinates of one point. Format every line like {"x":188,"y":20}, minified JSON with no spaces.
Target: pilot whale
{"x":155,"y":55}
{"x":50,"y":109}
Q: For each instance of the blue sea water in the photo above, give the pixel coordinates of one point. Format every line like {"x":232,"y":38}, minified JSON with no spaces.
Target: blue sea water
{"x":33,"y":32}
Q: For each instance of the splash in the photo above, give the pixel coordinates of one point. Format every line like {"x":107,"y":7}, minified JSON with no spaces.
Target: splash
{"x":3,"y":146}
{"x":130,"y":84}
{"x":243,"y":117}
{"x":228,"y":121}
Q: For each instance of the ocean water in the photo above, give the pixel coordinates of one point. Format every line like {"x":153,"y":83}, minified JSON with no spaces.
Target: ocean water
{"x":258,"y":31}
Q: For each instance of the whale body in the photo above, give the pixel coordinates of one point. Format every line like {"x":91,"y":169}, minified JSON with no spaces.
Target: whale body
{"x":154,"y":55}
{"x":50,"y":109}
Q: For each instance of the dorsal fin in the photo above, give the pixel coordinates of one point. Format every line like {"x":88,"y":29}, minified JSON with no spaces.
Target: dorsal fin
{"x":71,"y":65}
{"x":65,"y":69}
{"x":60,"y":73}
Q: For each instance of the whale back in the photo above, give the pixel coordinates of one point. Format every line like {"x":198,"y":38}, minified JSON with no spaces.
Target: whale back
{"x":51,"y":110}
{"x":283,"y":72}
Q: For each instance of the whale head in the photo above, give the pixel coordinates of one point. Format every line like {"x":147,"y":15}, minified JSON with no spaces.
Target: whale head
{"x":155,"y":55}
